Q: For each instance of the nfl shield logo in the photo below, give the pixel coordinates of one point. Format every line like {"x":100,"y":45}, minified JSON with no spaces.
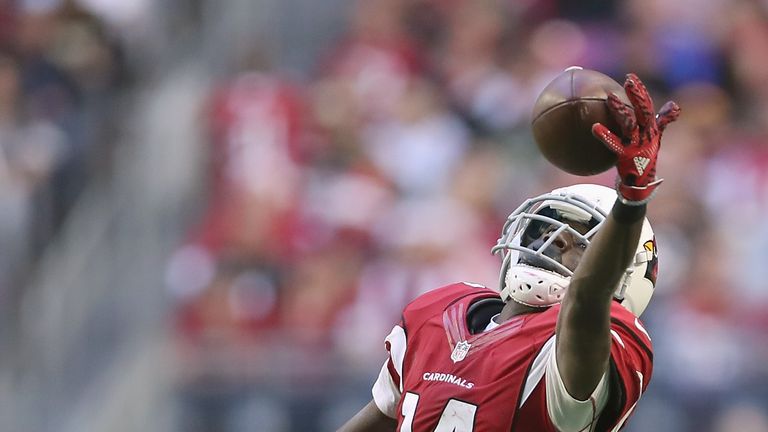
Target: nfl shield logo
{"x":460,"y":351}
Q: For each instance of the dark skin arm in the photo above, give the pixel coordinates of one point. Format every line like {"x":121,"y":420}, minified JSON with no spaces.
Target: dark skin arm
{"x":369,"y":419}
{"x":583,"y":323}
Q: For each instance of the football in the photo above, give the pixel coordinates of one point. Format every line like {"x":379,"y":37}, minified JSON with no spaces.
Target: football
{"x":563,"y":116}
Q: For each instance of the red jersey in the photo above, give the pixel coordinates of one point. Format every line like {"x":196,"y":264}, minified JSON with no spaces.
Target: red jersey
{"x":446,"y":377}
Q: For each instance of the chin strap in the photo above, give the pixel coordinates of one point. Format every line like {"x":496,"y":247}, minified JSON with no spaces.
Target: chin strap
{"x":534,"y":287}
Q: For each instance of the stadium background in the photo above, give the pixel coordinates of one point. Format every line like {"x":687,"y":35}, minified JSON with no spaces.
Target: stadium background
{"x":211,"y":212}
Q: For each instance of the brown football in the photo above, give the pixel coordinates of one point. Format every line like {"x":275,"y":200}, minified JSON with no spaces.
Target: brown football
{"x":563,"y":116}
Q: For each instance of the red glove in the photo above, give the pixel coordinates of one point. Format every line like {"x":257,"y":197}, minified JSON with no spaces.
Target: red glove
{"x":638,"y":147}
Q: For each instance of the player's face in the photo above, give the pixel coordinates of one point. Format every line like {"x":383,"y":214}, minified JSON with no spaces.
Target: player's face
{"x":567,"y":248}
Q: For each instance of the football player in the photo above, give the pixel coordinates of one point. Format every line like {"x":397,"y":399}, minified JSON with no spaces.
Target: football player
{"x":561,"y":348}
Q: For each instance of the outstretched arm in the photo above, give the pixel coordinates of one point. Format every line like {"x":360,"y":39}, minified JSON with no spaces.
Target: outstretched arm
{"x":583,"y":326}
{"x":369,"y":419}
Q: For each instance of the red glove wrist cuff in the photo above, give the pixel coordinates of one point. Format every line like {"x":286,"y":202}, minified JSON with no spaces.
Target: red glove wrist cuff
{"x":636,"y":195}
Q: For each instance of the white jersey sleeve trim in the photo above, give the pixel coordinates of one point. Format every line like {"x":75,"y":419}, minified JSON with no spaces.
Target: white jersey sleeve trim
{"x":567,"y":413}
{"x":618,"y":338}
{"x":624,"y":418}
{"x":538,"y":369}
{"x":386,"y":395}
{"x":387,"y":389}
{"x":397,"y":347}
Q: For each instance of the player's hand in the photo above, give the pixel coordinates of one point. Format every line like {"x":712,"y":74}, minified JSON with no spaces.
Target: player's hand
{"x":638,"y":146}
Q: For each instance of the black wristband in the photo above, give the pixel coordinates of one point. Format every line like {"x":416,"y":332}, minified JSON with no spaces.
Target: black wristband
{"x":628,"y":213}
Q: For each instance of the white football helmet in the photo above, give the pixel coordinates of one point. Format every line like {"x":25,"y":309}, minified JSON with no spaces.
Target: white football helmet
{"x":530,"y":277}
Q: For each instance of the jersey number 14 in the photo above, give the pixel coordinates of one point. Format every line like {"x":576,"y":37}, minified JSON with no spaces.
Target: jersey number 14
{"x":457,"y":416}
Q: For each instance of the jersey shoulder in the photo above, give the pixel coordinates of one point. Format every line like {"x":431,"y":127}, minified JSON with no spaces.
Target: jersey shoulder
{"x":438,"y":300}
{"x":626,"y":327}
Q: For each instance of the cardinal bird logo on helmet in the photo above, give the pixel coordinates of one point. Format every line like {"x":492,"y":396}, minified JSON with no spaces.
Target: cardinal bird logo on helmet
{"x":653,"y":265}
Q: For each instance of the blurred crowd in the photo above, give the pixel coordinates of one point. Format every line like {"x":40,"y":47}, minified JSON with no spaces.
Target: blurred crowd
{"x":389,"y":168}
{"x":60,"y":70}
{"x":336,"y":195}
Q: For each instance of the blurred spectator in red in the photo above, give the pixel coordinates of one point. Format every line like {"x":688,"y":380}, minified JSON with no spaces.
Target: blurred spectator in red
{"x":7,"y":22}
{"x":376,"y":59}
{"x":228,"y":281}
{"x":256,"y":131}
